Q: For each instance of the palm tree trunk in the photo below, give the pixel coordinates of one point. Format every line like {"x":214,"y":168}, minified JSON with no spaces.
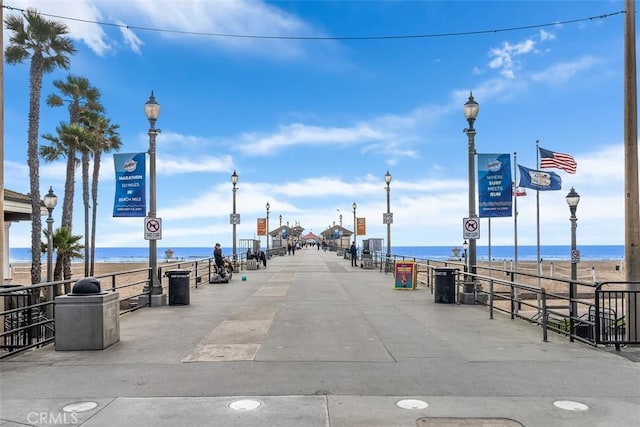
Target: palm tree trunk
{"x":85,"y":201}
{"x":69,"y":186}
{"x":94,"y":204}
{"x":35,"y":75}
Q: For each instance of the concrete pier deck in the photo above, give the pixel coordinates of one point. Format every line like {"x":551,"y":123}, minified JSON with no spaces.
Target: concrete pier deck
{"x":312,"y":341}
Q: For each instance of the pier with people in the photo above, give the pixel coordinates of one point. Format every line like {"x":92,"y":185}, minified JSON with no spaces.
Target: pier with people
{"x":310,"y":340}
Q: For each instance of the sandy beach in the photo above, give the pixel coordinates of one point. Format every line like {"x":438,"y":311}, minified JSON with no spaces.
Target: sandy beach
{"x":610,"y":270}
{"x":21,"y":275}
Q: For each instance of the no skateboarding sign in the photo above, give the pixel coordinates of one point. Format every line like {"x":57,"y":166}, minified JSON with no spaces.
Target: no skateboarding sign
{"x":471,"y":228}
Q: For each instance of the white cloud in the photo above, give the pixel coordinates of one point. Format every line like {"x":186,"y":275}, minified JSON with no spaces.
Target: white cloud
{"x":301,"y":134}
{"x":175,"y":166}
{"x":560,"y":73}
{"x":546,"y":35}
{"x":131,"y":39}
{"x":504,"y":58}
{"x":81,"y":27}
{"x":205,"y":17}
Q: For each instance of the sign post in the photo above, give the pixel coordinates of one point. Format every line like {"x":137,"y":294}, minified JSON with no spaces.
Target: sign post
{"x":470,"y":228}
{"x":152,"y":228}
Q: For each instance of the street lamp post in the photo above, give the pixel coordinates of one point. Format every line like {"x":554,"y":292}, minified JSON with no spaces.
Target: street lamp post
{"x":387,"y":180}
{"x":355,"y":226}
{"x":50,"y":202}
{"x":152,"y":111}
{"x":573,"y":198}
{"x":471,"y":109}
{"x":267,"y":206}
{"x":234,"y":220}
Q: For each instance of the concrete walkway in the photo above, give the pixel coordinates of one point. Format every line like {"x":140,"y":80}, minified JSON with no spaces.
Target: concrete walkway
{"x":312,"y":341}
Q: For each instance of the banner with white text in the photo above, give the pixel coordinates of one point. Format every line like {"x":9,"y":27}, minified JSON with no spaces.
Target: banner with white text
{"x":494,"y":185}
{"x":130,"y":200}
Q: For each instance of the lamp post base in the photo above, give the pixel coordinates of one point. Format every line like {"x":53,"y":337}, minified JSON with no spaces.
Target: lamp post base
{"x":157,"y":300}
{"x":466,"y":298}
{"x":470,"y":297}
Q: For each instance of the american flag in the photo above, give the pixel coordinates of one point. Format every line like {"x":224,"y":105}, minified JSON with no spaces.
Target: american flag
{"x":550,"y":159}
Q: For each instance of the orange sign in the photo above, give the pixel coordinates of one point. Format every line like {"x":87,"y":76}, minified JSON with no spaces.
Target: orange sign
{"x":362,"y":226}
{"x":262,"y":226}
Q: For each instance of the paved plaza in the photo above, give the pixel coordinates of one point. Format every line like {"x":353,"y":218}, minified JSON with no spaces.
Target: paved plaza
{"x":312,"y":341}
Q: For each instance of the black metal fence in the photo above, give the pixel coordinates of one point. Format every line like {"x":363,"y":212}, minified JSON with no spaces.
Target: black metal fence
{"x":595,"y":313}
{"x":27,"y":311}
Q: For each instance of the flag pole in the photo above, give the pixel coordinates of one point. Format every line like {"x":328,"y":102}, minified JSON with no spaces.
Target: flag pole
{"x":538,"y":216}
{"x":515,"y":224}
{"x":489,"y":249}
{"x":538,"y":213}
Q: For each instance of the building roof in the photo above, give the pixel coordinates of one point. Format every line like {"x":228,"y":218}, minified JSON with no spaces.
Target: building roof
{"x":17,"y":206}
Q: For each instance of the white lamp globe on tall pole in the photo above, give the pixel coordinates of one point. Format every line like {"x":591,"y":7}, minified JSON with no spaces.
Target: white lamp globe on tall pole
{"x":471,"y":109}
{"x":355,"y":226}
{"x":152,"y":111}
{"x":573,"y":198}
{"x":234,"y":218}
{"x":389,"y":220}
{"x":267,"y":206}
{"x":50,"y":202}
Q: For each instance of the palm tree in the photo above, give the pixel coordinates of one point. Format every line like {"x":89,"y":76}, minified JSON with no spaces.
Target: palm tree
{"x":107,"y":139}
{"x":43,"y":41}
{"x":78,"y":93}
{"x":69,"y":138}
{"x":67,"y":247}
{"x":81,"y":97}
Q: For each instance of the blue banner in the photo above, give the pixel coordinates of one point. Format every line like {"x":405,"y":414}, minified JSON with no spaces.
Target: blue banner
{"x":130,"y":200}
{"x":539,"y":180}
{"x":494,"y":185}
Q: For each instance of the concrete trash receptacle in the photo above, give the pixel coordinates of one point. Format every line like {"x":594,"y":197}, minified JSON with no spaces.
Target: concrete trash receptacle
{"x":445,"y":285}
{"x":87,"y":319}
{"x":178,"y":287}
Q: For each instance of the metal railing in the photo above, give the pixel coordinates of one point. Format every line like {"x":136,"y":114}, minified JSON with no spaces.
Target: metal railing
{"x":612,"y":317}
{"x":593,"y":313}
{"x":596,"y":314}
{"x":27,"y":312}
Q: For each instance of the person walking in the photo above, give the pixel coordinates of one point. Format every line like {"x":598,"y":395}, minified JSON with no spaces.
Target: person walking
{"x":353,"y":250}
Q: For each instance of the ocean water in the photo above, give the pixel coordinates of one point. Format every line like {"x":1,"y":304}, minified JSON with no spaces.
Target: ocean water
{"x":498,"y":253}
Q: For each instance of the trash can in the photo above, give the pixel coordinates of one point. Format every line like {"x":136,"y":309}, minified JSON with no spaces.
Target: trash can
{"x":445,"y":285}
{"x":178,"y":287}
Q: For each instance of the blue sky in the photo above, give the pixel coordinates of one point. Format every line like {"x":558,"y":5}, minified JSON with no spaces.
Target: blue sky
{"x":313,"y":125}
